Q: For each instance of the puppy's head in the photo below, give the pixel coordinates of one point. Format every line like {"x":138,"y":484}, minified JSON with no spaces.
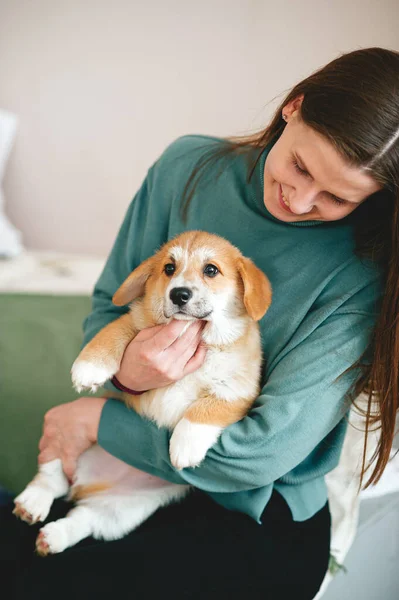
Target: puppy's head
{"x":198,"y":275}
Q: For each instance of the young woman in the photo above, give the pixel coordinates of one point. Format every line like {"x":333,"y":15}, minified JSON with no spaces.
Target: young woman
{"x":313,"y":200}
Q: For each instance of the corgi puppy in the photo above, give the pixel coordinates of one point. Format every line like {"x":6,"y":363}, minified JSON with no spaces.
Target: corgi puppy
{"x":196,"y":275}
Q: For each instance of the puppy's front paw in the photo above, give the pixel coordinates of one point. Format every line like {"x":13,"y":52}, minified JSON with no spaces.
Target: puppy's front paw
{"x":88,"y":375}
{"x":33,"y":504}
{"x":190,"y":442}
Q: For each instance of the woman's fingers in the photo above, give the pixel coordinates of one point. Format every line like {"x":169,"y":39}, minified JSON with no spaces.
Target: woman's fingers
{"x":69,"y":466}
{"x":48,"y":452}
{"x":168,"y":335}
{"x":184,"y":342}
{"x":179,"y":356}
{"x":196,"y":361}
{"x":69,"y":430}
{"x":157,"y":356}
{"x":182,"y":351}
{"x":148,"y":333}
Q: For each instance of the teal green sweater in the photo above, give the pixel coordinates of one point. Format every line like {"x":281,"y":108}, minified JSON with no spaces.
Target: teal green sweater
{"x":325,"y":301}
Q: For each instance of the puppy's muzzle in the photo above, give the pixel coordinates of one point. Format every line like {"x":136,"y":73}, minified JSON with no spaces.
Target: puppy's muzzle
{"x":180,"y":295}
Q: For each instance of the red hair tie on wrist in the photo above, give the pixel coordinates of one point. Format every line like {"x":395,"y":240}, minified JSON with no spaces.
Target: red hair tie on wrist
{"x":125,"y":389}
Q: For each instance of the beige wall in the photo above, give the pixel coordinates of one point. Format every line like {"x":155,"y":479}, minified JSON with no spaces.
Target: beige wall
{"x":101,"y":88}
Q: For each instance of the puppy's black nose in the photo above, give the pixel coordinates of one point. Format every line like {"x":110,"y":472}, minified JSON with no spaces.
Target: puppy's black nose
{"x":180,"y":295}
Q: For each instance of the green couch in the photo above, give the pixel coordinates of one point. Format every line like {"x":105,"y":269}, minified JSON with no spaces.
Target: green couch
{"x":40,"y":337}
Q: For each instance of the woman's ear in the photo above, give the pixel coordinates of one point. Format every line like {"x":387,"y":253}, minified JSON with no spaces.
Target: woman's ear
{"x":134,"y":285}
{"x":293,"y":107}
{"x":257,"y":289}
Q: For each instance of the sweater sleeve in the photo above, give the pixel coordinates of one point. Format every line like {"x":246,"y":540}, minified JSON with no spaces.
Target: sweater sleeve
{"x":301,"y":403}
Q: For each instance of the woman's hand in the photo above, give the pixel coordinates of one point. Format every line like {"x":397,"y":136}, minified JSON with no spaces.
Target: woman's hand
{"x":68,"y":430}
{"x":161,"y":355}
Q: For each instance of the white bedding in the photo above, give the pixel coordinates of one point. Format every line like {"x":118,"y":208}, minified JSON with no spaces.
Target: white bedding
{"x":50,"y":273}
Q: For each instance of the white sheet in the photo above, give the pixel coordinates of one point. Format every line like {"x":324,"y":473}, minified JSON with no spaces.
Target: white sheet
{"x":50,"y":273}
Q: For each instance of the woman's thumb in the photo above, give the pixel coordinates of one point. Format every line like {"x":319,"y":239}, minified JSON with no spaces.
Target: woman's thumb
{"x":69,"y":468}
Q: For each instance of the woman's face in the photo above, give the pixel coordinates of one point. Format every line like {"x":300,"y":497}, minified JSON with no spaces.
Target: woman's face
{"x":305,"y":179}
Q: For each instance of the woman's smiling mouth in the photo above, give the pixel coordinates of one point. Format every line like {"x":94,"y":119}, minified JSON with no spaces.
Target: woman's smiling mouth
{"x":283,"y":201}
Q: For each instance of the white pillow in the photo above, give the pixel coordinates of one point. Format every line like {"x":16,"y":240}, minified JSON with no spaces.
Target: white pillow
{"x":10,"y":238}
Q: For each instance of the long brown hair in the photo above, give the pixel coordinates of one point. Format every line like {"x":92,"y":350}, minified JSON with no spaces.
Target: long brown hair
{"x":354,"y":103}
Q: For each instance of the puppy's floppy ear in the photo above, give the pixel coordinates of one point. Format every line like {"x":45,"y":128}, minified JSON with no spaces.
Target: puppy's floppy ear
{"x":134,"y":285}
{"x":257,"y":288}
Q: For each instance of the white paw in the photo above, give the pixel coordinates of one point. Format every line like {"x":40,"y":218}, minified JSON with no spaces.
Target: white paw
{"x":53,"y":538}
{"x":90,"y":376}
{"x":33,"y":504}
{"x":190,"y":442}
{"x":183,"y":455}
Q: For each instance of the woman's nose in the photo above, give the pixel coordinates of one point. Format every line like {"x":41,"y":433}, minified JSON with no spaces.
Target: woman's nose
{"x":302,"y":200}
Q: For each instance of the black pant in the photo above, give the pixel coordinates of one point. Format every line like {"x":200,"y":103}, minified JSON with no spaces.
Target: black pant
{"x":194,"y":549}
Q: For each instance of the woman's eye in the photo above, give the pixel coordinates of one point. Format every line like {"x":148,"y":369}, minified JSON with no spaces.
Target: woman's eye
{"x":299,"y":170}
{"x":338,"y":201}
{"x":169,"y":269}
{"x":211,"y":270}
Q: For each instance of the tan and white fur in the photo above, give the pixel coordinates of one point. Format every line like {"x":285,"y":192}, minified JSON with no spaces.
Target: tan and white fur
{"x":113,"y":498}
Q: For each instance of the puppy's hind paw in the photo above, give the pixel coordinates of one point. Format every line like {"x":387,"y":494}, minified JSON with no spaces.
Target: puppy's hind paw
{"x":52,"y":539}
{"x":42,"y":547}
{"x":33,"y":504}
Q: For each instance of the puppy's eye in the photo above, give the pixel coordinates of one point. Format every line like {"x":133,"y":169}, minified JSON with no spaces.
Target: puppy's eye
{"x":211,"y":270}
{"x":169,"y":269}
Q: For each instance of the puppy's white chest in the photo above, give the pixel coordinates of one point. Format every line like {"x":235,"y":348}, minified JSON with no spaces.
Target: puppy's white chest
{"x":167,"y":405}
{"x":218,"y":375}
